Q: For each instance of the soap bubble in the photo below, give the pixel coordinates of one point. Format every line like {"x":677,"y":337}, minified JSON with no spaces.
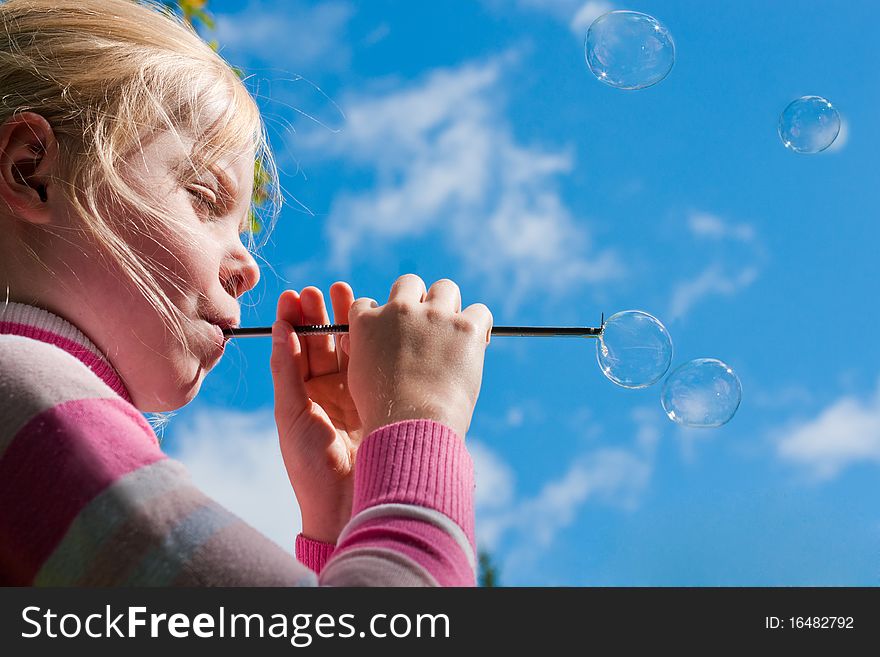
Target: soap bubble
{"x":703,"y":392}
{"x":634,"y":350}
{"x":809,"y":125}
{"x":629,"y":50}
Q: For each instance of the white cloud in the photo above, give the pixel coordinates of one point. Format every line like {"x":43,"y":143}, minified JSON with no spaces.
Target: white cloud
{"x":494,"y":478}
{"x":589,"y":12}
{"x":647,"y":432}
{"x":845,"y":433}
{"x":711,"y":281}
{"x":785,"y":397}
{"x":736,"y":264}
{"x":704,"y":224}
{"x":614,"y":476}
{"x":293,"y":34}
{"x":577,"y":14}
{"x":445,"y":162}
{"x":514,"y":416}
{"x":377,"y":35}
{"x":234,"y":457}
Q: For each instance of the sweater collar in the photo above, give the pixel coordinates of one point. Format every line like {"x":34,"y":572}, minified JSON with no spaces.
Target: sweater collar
{"x":38,"y":324}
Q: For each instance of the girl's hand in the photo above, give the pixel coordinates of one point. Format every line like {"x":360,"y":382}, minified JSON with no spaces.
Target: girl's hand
{"x":418,"y":356}
{"x":318,"y":424}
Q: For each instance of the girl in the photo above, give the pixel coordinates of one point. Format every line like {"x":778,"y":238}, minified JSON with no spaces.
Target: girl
{"x":127,"y":149}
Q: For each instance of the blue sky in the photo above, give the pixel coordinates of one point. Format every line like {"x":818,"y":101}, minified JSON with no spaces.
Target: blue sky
{"x":469,"y":140}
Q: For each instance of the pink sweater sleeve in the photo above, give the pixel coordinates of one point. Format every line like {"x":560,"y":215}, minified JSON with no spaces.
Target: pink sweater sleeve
{"x":413,"y":518}
{"x":312,"y":553}
{"x":87,"y":498}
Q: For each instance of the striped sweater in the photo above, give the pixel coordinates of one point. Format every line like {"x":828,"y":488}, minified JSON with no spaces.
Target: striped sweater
{"x":88,"y":498}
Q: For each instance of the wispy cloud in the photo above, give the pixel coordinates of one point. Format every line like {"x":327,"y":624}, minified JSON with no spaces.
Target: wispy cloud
{"x":845,"y":433}
{"x":788,"y":396}
{"x":711,"y":281}
{"x":614,"y":476}
{"x":444,"y":162}
{"x":378,"y":34}
{"x":585,"y":16}
{"x":494,"y":478}
{"x":704,"y":224}
{"x":735,"y":266}
{"x":577,"y":14}
{"x":234,"y":457}
{"x":295,"y":35}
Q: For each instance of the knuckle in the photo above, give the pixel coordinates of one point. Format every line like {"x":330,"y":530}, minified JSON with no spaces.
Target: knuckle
{"x":466,"y":326}
{"x":480,"y":312}
{"x":360,"y":305}
{"x":484,"y":309}
{"x":434,"y":314}
{"x":399,"y":307}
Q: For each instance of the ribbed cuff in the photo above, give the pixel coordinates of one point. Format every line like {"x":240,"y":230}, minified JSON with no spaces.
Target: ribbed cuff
{"x":420,"y":462}
{"x":312,"y":553}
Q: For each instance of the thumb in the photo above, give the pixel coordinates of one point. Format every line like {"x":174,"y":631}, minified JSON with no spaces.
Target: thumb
{"x":344,"y":341}
{"x":287,"y":365}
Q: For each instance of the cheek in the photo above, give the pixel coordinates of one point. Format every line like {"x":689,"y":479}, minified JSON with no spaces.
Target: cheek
{"x":183,"y":254}
{"x":194,"y":266}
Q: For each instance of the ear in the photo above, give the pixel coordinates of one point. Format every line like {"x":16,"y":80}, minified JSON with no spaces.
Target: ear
{"x":28,"y":158}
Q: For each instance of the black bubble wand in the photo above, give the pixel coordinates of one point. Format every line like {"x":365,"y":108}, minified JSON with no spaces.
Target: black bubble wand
{"x":526,"y":331}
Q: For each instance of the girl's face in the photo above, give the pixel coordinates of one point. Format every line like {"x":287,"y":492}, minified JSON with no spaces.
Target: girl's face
{"x":209,"y":263}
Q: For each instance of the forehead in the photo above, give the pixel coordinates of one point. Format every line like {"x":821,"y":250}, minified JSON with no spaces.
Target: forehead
{"x":226,"y":136}
{"x":178,"y":148}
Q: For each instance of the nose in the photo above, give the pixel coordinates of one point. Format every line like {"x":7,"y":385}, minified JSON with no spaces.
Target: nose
{"x":240,"y":273}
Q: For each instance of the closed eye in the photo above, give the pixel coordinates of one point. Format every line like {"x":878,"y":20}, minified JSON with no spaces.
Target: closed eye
{"x":205,"y":196}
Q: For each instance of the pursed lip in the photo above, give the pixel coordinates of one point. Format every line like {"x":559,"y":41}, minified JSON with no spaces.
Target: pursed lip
{"x":221,"y":324}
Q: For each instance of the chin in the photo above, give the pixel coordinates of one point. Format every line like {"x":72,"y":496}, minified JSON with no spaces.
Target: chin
{"x":170,"y":398}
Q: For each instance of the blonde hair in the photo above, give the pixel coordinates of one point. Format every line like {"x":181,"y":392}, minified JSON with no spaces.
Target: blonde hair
{"x":106,"y":74}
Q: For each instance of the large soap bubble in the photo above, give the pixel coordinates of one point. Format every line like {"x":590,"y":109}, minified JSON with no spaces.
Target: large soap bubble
{"x":629,"y":50}
{"x":809,"y":125}
{"x":634,"y":350}
{"x":703,"y":392}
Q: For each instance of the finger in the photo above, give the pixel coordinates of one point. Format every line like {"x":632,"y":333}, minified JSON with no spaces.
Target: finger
{"x":321,"y":348}
{"x":360,"y":305}
{"x":286,"y":364}
{"x":408,"y":288}
{"x":482,"y":317}
{"x":342,"y":297}
{"x":445,"y":294}
{"x":290,"y":311}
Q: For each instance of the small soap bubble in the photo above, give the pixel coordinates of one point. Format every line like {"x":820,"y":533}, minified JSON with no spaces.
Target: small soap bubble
{"x":629,"y":50}
{"x":703,"y":392}
{"x":809,"y":125}
{"x":634,"y":350}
